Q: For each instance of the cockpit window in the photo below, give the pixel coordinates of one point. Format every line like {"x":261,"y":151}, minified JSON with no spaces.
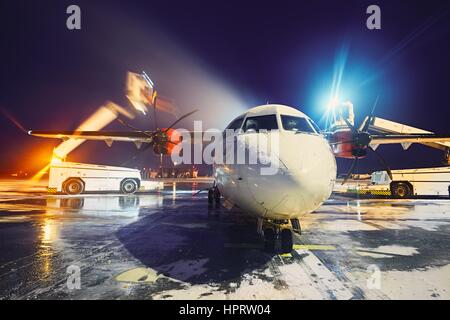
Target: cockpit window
{"x":298,"y":124}
{"x":316,"y":127}
{"x":268,"y":122}
{"x":236,"y":123}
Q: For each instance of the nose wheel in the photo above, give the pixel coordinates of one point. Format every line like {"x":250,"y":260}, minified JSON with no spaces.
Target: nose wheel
{"x":278,"y":237}
{"x":287,"y":242}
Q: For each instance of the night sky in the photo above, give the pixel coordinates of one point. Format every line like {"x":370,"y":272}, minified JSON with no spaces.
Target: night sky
{"x":221,"y":57}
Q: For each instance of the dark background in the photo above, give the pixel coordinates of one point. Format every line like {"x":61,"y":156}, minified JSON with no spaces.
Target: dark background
{"x":221,"y":57}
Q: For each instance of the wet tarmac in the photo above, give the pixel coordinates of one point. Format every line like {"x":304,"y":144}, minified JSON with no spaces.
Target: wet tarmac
{"x":171,"y":245}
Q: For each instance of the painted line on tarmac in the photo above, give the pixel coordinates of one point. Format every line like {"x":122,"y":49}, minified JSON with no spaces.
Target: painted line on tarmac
{"x":372,"y":224}
{"x":138,"y":275}
{"x":312,"y":247}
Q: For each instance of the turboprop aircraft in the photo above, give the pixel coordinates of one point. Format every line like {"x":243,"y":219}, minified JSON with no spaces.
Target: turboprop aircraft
{"x":306,"y":166}
{"x":304,"y":156}
{"x":303,"y":180}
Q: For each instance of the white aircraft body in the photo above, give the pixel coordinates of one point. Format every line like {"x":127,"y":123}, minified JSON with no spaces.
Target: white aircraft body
{"x":303,"y":181}
{"x":307,"y":166}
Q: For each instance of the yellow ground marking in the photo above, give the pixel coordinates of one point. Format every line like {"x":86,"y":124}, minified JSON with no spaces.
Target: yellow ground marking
{"x":138,"y":275}
{"x":286,"y":255}
{"x":295,"y":247}
{"x":375,"y":192}
{"x":313,"y":247}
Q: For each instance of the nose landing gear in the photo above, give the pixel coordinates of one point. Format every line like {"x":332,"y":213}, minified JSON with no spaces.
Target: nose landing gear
{"x":296,"y":226}
{"x":277,"y":234}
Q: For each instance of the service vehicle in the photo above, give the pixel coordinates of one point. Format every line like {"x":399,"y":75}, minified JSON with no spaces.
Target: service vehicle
{"x":415,"y":182}
{"x":76,"y":178}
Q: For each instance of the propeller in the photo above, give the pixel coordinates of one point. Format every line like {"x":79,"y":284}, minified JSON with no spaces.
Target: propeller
{"x":126,"y":124}
{"x":160,"y":138}
{"x":181,"y":118}
{"x":361,"y":139}
{"x":350,"y":171}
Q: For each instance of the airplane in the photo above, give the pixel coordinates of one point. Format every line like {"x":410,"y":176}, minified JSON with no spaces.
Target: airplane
{"x":304,"y":180}
{"x":306,"y":168}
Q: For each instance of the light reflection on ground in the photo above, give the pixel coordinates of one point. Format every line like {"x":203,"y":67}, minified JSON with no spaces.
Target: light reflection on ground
{"x":173,"y":246}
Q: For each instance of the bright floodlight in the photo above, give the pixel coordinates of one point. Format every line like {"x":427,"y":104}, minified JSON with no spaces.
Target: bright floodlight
{"x":55,"y":159}
{"x":333,"y":103}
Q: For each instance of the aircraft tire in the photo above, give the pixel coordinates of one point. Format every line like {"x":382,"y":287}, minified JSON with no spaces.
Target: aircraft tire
{"x":269,"y":240}
{"x":217,"y":195}
{"x":210,"y":196}
{"x":287,"y":242}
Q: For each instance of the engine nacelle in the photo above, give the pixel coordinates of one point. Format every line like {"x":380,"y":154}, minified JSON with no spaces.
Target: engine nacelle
{"x":343,"y":147}
{"x":165,"y":142}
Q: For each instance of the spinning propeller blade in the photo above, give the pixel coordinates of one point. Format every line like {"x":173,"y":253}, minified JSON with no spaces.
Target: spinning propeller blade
{"x":362,"y":138}
{"x":365,"y":125}
{"x":139,"y":152}
{"x":179,"y":119}
{"x":382,"y":161}
{"x":350,"y":171}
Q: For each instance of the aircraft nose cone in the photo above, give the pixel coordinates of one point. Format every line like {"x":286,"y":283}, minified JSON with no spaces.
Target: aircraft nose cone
{"x":303,"y":181}
{"x":312,"y":172}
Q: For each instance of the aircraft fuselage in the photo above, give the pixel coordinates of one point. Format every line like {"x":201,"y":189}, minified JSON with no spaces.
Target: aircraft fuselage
{"x":306,"y":169}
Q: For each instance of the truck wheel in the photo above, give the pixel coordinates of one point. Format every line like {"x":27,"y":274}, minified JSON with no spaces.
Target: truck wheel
{"x":401,"y":190}
{"x":129,"y":186}
{"x":73,"y":186}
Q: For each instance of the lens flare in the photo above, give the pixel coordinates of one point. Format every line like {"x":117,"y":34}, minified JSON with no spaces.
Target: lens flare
{"x":334,"y":100}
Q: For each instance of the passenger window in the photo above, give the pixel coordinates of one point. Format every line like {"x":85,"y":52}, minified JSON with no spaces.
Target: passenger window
{"x":298,"y":124}
{"x":268,"y":122}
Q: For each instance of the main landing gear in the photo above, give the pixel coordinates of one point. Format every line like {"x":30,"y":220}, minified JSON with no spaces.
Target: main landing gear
{"x":214,"y":196}
{"x":278,"y":234}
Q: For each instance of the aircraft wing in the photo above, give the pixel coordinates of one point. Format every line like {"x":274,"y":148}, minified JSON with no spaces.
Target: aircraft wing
{"x":408,"y":138}
{"x":108,"y":136}
{"x":387,"y":127}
